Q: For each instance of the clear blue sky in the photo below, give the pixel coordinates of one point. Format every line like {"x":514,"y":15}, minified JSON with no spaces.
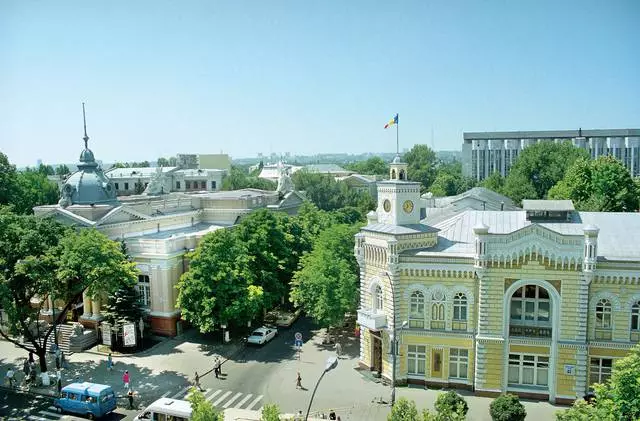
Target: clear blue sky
{"x":164,"y":77}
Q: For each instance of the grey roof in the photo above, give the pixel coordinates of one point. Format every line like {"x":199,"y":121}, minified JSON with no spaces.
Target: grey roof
{"x":399,"y":229}
{"x":547,"y":205}
{"x":326,"y":168}
{"x":136,"y":171}
{"x":191,"y":172}
{"x":549,"y":134}
{"x":88,"y":185}
{"x":177,"y":232}
{"x":235,"y":194}
{"x":456,"y":234}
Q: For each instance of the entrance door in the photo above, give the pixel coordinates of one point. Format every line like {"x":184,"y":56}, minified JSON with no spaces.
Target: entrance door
{"x":436,"y":363}
{"x":376,"y":353}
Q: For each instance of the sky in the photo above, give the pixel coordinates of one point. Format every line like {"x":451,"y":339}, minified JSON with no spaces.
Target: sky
{"x":243,"y":77}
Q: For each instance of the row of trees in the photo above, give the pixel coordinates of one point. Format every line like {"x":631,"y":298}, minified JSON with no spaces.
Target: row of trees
{"x":42,"y":260}
{"x":25,"y":189}
{"x":235,"y":274}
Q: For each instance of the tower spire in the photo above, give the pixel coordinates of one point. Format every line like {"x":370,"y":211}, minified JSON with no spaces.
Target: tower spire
{"x":84,"y":119}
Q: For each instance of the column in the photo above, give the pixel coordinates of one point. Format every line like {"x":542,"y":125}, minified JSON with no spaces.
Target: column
{"x":95,"y":306}
{"x":86,"y":308}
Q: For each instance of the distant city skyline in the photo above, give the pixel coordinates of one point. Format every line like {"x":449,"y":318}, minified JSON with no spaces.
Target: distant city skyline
{"x":161,"y":78}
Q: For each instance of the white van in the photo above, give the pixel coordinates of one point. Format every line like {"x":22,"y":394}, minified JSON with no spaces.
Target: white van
{"x":165,"y":409}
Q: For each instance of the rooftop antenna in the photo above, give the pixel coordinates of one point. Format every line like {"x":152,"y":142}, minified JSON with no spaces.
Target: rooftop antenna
{"x":84,"y":119}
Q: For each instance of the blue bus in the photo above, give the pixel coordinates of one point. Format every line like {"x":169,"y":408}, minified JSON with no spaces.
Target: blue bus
{"x":90,"y":399}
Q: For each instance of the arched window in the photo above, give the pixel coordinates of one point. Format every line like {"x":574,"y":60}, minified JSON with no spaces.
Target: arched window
{"x":635,"y":322}
{"x":459,"y":312}
{"x":530,"y":313}
{"x":393,"y":174}
{"x":378,"y":300}
{"x":603,"y":319}
{"x":437,"y":310}
{"x":416,"y":310}
{"x":401,"y":175}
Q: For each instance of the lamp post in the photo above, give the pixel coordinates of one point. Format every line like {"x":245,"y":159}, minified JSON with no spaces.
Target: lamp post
{"x":393,"y":344}
{"x":332,"y":362}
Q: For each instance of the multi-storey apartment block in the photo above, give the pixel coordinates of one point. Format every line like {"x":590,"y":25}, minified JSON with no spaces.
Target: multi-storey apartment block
{"x":484,"y":153}
{"x":538,"y":301}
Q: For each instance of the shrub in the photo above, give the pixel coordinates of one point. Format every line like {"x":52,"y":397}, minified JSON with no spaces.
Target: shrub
{"x":404,"y":410}
{"x":270,"y":412}
{"x":507,"y":407}
{"x":448,"y":403}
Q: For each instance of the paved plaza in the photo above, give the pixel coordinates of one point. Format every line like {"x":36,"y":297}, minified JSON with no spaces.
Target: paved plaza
{"x":251,"y":377}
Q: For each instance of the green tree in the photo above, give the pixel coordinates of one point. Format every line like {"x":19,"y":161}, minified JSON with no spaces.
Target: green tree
{"x":601,"y":185}
{"x":494,"y":182}
{"x":202,"y":409}
{"x":507,"y":407}
{"x":404,"y":410}
{"x":583,"y":411}
{"x":372,"y":166}
{"x":449,"y":402}
{"x":46,"y":169}
{"x":120,"y":165}
{"x":449,"y":180}
{"x":138,"y":187}
{"x":50,"y":261}
{"x":162,"y":162}
{"x":8,"y":177}
{"x":421,"y":162}
{"x":313,"y":220}
{"x":270,"y":412}
{"x":219,"y":285}
{"x":238,"y":179}
{"x":328,"y":194}
{"x":62,"y":169}
{"x":326,"y":285}
{"x":540,"y":167}
{"x":33,"y":189}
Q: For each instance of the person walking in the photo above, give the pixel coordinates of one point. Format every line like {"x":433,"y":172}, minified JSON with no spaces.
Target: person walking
{"x":10,"y":377}
{"x":338,"y":349}
{"x":130,"y":396}
{"x":197,"y":381}
{"x":63,"y":363}
{"x":216,"y":367}
{"x":31,"y":356}
{"x":109,"y":363}
{"x":299,"y":381}
{"x":332,"y":415}
{"x":59,"y":381}
{"x":57,"y":354}
{"x":25,"y":367}
{"x":126,"y":379}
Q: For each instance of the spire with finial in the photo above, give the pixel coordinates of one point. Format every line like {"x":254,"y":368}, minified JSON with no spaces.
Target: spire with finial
{"x":84,"y":119}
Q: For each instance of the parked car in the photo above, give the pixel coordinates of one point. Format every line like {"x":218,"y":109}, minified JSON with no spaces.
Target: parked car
{"x":262,"y":335}
{"x":89,"y":399}
{"x":166,"y":409}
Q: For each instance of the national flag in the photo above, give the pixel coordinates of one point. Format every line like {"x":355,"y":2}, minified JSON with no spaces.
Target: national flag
{"x":391,"y":122}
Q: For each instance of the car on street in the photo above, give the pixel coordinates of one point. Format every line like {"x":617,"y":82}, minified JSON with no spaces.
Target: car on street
{"x":262,"y":335}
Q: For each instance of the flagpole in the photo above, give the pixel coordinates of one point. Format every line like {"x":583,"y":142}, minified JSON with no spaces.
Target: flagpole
{"x":397,"y":142}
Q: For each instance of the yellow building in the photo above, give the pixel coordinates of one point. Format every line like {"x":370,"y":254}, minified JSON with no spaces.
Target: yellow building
{"x":538,"y":301}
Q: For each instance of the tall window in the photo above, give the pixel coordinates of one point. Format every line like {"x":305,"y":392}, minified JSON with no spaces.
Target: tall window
{"x":187,"y":185}
{"x":528,"y":370}
{"x":530,"y":313}
{"x":144,"y":290}
{"x":437,"y":310}
{"x":126,"y":186}
{"x":416,"y":310}
{"x":635,"y":322}
{"x":458,"y":363}
{"x":117,"y":186}
{"x":459,"y":312}
{"x":213,"y":185}
{"x":603,"y":319}
{"x":600,"y":370}
{"x":378,"y":299}
{"x":177,"y":185}
{"x":416,"y":359}
{"x":203,"y":185}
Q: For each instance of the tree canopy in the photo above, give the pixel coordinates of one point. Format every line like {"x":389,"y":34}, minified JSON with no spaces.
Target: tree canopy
{"x":449,"y":180}
{"x":238,"y":179}
{"x":202,"y":409}
{"x":372,"y":166}
{"x":328,"y":194}
{"x":25,"y":189}
{"x":421,"y":162}
{"x":600,"y":185}
{"x":62,"y":169}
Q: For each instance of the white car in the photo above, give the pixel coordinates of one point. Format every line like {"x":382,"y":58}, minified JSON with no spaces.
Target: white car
{"x":262,"y":335}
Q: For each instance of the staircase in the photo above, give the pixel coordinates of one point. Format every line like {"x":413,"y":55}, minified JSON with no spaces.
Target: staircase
{"x":64,"y":332}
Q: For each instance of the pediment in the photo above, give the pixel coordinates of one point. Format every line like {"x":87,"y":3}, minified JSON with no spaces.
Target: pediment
{"x":122,"y":214}
{"x":65,"y":217}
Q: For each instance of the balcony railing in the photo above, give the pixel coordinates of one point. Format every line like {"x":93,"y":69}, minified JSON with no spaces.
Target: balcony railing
{"x":372,"y":319}
{"x":530,"y":331}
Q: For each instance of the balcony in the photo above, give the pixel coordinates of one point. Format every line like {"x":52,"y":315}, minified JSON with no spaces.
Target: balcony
{"x":372,"y":319}
{"x":530,"y":331}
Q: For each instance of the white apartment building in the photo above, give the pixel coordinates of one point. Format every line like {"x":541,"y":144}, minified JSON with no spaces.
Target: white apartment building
{"x":484,"y":153}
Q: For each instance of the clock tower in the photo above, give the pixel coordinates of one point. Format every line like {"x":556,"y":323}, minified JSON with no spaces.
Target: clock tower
{"x":398,"y":198}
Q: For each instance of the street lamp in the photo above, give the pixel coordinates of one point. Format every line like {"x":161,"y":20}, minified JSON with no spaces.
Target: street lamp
{"x":332,"y":362}
{"x":394,"y":344}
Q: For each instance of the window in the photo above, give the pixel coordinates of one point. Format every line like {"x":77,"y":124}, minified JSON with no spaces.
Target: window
{"x":144,"y":290}
{"x":177,"y":185}
{"x":416,"y":310}
{"x":600,"y":370}
{"x":528,"y":370}
{"x":603,"y":319}
{"x":203,"y":185}
{"x":213,"y":185}
{"x":459,"y":312}
{"x":416,"y":359}
{"x":187,"y":184}
{"x":117,"y":186}
{"x":635,"y":322}
{"x":126,"y":186}
{"x":437,"y":310}
{"x":378,"y":299}
{"x":458,"y":363}
{"x":530,"y":312}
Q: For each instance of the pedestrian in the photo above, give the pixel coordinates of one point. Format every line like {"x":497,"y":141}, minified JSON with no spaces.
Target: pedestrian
{"x":126,"y":379}
{"x":338,"y":349}
{"x":130,"y":396}
{"x":109,"y":363}
{"x":338,"y":418}
{"x":299,"y":381}
{"x":332,"y":415}
{"x":57,"y":353}
{"x":216,"y":367}
{"x":10,"y":377}
{"x":197,"y":381}
{"x":30,"y":356}
{"x":63,"y":363}
{"x":59,"y":380}
{"x":25,"y":367}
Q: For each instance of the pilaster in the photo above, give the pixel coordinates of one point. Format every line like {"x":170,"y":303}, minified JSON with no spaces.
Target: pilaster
{"x":86,"y":308}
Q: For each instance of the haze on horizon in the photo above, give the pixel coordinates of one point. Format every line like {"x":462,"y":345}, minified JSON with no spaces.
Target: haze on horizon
{"x":161,"y":77}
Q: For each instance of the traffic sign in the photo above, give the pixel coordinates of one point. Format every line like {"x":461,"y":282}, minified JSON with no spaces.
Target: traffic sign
{"x":298,"y":336}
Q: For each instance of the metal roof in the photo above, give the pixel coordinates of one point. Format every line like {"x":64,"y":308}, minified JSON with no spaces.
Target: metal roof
{"x":399,"y":229}
{"x":550,"y":134}
{"x":136,"y":172}
{"x":547,"y":205}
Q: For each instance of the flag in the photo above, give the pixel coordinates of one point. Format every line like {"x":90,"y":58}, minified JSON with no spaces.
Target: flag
{"x":391,"y":122}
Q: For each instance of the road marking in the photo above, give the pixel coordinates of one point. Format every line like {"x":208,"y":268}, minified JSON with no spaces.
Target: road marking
{"x":210,"y":398}
{"x":52,"y":408}
{"x":180,"y":392}
{"x":254,"y":402}
{"x":37,"y":418}
{"x":165,"y":394}
{"x":245,"y":399}
{"x":51,"y":414}
{"x":232,"y":400}
{"x":221,"y":398}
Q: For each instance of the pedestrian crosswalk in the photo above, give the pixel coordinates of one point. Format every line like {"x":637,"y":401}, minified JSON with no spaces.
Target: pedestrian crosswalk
{"x":223,"y":399}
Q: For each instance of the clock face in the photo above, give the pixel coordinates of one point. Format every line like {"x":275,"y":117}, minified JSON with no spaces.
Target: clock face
{"x":407,"y":206}
{"x":386,"y":205}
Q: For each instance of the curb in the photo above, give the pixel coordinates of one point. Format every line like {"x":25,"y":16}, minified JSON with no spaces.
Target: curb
{"x":27,"y":392}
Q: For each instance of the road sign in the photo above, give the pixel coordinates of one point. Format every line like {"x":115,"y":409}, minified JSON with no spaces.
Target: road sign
{"x":298,"y":343}
{"x":129,"y":334}
{"x":298,"y":336}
